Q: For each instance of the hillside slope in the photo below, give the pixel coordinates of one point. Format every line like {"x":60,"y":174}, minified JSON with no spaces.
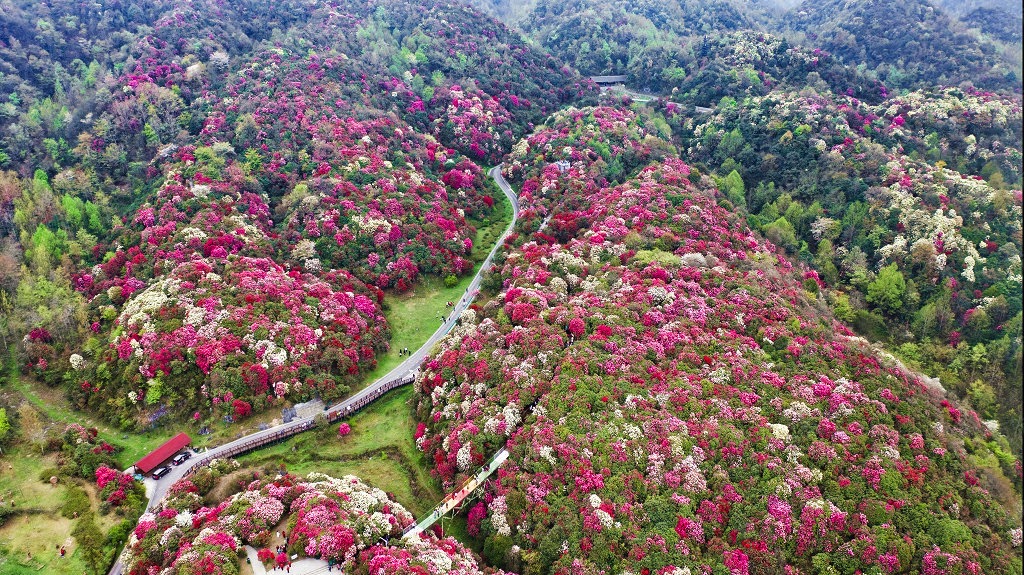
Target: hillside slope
{"x":337,"y":158}
{"x":675,"y":399}
{"x":907,"y":44}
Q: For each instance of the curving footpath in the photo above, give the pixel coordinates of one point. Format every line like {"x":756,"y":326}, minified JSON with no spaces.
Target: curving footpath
{"x":404,"y":374}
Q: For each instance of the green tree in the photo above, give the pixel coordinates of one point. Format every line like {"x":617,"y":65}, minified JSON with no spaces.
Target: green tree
{"x":89,"y":537}
{"x":887,"y":290}
{"x":733,"y":188}
{"x":781,"y":233}
{"x":983,"y":398}
{"x":5,"y":426}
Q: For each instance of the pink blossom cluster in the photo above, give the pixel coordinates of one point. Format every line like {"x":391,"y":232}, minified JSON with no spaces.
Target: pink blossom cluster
{"x":342,"y":520}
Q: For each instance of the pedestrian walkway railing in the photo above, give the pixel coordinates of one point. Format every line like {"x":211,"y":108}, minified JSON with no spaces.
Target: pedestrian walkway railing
{"x":455,"y":498}
{"x":341,"y":411}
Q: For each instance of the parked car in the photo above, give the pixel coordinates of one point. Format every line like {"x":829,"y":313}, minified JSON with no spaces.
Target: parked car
{"x":161,"y":471}
{"x":181,"y":458}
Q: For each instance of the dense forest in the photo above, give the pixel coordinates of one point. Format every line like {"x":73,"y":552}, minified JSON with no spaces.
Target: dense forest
{"x":760,"y":310}
{"x":658,"y":44}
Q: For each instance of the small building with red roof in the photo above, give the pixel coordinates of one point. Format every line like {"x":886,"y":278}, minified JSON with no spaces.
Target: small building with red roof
{"x":154,"y":458}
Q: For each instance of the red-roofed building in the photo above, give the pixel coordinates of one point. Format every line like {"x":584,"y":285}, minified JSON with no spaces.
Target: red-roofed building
{"x":161,"y":454}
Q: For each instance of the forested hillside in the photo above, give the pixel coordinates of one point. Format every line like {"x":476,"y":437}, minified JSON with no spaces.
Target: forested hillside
{"x":902,"y":44}
{"x":905,"y":44}
{"x":171,"y":205}
{"x":757,"y":311}
{"x":675,"y":394}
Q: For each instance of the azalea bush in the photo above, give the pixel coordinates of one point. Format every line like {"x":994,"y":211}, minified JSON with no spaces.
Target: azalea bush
{"x":674,"y":401}
{"x":119,"y":490}
{"x":81,"y":452}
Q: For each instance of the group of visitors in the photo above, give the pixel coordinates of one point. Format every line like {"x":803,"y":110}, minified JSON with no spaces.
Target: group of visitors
{"x":282,"y":560}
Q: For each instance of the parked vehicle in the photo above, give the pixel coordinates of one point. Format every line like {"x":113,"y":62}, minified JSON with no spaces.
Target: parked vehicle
{"x":181,"y":458}
{"x":160,"y":472}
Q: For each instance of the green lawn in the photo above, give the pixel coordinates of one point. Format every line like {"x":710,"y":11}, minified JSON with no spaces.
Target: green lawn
{"x":29,"y":540}
{"x":414,"y":316}
{"x":488,"y":230}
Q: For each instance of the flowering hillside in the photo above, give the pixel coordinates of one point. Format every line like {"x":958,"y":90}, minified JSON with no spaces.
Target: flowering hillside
{"x":594,"y":146}
{"x":342,"y":520}
{"x":238,"y":335}
{"x":675,"y":403}
{"x":909,"y":210}
{"x":334,"y":159}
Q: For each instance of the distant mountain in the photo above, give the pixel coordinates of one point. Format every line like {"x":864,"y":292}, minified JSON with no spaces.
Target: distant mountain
{"x":903,"y":44}
{"x":641,"y":39}
{"x":508,"y":10}
{"x":962,"y":7}
{"x":907,"y":44}
{"x":996,"y":23}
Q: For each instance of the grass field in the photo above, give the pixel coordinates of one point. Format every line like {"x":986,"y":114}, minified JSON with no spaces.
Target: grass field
{"x":380,"y":450}
{"x":488,"y":230}
{"x":29,"y":540}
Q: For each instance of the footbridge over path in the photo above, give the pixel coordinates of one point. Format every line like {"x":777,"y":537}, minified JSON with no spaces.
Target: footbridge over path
{"x":455,"y":498}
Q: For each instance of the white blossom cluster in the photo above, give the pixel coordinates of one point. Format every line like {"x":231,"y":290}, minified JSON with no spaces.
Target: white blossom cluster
{"x":605,"y":519}
{"x":780,"y":431}
{"x":498,"y":509}
{"x":464,"y":457}
{"x":191,"y":233}
{"x":272,"y":355}
{"x":512,"y":418}
{"x":660,"y":295}
{"x":889,"y":452}
{"x":137,"y":310}
{"x":797,"y":411}
{"x":304,"y":249}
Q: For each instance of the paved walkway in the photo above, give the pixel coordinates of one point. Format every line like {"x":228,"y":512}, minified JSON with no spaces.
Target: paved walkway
{"x":304,"y":566}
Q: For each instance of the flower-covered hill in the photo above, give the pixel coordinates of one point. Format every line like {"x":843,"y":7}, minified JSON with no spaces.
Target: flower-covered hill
{"x":910,"y":211}
{"x":343,"y":521}
{"x":675,"y":401}
{"x":443,"y":67}
{"x":234,"y":335}
{"x":337,"y":152}
{"x":576,"y":152}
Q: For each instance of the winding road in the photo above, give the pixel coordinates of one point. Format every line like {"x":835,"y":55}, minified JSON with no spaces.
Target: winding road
{"x":397,"y":376}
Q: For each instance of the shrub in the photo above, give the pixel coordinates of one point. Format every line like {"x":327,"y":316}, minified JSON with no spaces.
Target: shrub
{"x":75,"y":502}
